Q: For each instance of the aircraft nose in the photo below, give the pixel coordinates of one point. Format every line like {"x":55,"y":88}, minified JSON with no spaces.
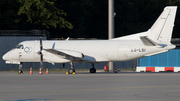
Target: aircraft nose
{"x":4,"y":57}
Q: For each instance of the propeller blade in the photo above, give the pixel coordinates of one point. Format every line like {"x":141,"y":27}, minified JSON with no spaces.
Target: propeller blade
{"x":41,"y":60}
{"x":41,"y":48}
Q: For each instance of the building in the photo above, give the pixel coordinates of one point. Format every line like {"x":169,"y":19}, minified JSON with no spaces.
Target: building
{"x":168,"y":61}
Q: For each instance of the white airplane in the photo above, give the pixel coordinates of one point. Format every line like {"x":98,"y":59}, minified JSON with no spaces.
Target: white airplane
{"x":154,"y":41}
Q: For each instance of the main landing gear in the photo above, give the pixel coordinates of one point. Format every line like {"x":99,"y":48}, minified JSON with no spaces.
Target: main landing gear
{"x":71,"y":70}
{"x":92,"y":70}
{"x":20,"y":69}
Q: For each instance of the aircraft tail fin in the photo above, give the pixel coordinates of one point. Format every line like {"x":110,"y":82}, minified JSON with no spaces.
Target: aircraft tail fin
{"x":162,"y":29}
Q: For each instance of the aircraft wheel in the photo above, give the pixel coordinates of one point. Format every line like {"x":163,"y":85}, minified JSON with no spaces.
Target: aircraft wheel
{"x":19,"y":72}
{"x":70,"y":71}
{"x":92,"y":70}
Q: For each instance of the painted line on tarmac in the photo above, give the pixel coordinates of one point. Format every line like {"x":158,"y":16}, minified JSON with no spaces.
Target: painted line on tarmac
{"x":103,"y":89}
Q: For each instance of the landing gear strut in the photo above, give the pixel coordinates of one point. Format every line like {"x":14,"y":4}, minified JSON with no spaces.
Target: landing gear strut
{"x":92,"y":70}
{"x":63,"y":65}
{"x":70,"y":71}
{"x":20,"y":69}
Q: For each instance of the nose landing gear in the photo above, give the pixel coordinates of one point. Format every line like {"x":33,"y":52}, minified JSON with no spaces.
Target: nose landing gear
{"x":20,"y":69}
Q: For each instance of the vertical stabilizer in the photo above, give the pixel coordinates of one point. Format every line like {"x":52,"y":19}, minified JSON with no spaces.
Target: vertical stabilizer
{"x":161,"y":31}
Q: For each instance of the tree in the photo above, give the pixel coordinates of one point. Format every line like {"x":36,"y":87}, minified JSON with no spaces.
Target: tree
{"x":88,"y":17}
{"x":31,"y":14}
{"x":42,"y":12}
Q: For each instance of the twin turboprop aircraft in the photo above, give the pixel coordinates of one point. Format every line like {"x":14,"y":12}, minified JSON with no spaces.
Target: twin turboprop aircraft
{"x":154,"y":41}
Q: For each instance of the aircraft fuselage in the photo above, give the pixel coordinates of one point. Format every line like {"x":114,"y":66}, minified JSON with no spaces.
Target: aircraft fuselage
{"x":93,"y":51}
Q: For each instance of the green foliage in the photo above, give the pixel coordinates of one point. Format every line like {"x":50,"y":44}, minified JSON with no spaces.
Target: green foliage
{"x":43,"y":12}
{"x":88,"y":17}
{"x":173,"y":2}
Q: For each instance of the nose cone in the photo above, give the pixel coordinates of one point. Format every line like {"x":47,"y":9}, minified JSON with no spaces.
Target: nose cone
{"x":4,"y":57}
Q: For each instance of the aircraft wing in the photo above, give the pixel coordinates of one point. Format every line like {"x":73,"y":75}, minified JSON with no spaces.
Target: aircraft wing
{"x":67,"y":54}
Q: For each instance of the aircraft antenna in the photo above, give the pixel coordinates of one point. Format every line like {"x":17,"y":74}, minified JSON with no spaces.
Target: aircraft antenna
{"x":67,"y":39}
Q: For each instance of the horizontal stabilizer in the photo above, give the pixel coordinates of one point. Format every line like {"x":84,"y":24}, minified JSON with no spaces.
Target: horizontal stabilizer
{"x":148,"y":42}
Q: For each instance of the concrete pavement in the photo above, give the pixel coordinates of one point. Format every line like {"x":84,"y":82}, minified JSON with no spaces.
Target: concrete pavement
{"x":58,"y":86}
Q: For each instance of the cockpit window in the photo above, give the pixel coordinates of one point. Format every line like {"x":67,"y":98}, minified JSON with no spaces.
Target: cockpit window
{"x":19,"y":46}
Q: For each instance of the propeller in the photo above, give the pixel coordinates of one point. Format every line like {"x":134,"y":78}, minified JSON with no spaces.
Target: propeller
{"x":41,"y":48}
